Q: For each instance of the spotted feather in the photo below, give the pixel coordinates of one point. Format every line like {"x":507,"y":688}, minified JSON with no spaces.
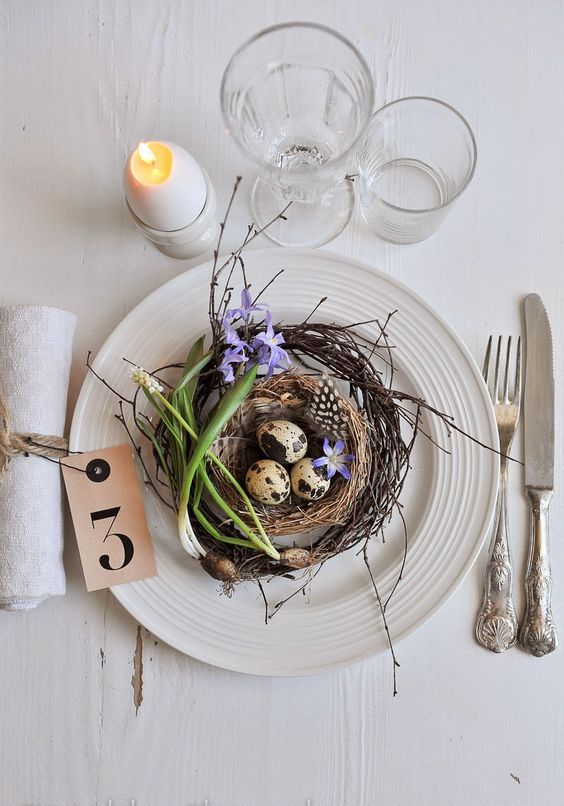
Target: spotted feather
{"x":326,"y":409}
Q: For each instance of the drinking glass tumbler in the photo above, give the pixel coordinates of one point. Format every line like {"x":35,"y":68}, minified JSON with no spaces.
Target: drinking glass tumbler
{"x":417,"y":158}
{"x":297,"y":98}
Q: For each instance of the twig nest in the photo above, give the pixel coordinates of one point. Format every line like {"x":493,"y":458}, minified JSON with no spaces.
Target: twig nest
{"x":308,"y":482}
{"x":296,"y":558}
{"x":282,"y":440}
{"x":268,"y":482}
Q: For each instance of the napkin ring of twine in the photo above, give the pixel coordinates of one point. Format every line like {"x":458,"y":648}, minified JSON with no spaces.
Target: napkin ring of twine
{"x":12,"y":443}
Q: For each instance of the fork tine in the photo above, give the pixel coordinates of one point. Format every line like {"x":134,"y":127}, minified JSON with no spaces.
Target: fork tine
{"x":495,"y":392}
{"x":506,"y":373}
{"x":517,"y":392}
{"x":486,"y":367}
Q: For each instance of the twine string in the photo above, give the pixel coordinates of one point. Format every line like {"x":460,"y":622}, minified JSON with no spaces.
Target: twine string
{"x":12,"y":443}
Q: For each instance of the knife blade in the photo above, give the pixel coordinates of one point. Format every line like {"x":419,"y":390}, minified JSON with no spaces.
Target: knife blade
{"x":538,"y":631}
{"x":539,"y":397}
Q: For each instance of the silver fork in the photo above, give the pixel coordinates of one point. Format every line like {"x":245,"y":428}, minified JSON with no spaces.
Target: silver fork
{"x":496,"y":627}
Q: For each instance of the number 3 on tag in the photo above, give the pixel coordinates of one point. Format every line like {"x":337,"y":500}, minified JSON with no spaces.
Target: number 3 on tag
{"x":108,"y":517}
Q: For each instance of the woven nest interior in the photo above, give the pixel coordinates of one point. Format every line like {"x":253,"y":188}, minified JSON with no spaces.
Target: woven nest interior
{"x":287,"y":397}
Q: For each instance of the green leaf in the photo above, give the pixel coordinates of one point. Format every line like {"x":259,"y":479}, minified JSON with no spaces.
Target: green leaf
{"x":228,"y":405}
{"x":190,"y":378}
{"x":195,"y":352}
{"x":223,"y":505}
{"x":216,"y":534}
{"x":198,"y":489}
{"x":169,"y":422}
{"x":186,"y":388}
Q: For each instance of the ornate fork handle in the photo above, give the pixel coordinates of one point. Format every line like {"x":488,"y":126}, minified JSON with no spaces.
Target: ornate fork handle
{"x":496,"y":627}
{"x":538,"y":632}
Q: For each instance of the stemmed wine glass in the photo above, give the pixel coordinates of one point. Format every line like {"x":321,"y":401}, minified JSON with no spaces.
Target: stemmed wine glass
{"x":296,"y":99}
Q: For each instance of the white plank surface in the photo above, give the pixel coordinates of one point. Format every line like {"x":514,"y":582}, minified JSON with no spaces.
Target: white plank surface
{"x":81,"y":84}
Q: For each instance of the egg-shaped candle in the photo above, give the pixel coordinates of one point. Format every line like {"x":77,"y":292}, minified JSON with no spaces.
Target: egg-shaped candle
{"x":164,"y":186}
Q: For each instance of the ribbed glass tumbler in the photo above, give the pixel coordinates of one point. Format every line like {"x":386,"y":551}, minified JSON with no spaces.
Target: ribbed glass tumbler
{"x":417,"y":158}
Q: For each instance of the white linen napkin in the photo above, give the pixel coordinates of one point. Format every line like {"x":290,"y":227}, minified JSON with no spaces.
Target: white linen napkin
{"x":35,"y":360}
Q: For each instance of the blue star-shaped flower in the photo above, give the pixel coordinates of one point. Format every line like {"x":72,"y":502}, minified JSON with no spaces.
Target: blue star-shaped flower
{"x":335,"y":460}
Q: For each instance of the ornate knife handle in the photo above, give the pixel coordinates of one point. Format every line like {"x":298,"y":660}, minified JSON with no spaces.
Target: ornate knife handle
{"x":496,"y":627}
{"x":538,"y":632}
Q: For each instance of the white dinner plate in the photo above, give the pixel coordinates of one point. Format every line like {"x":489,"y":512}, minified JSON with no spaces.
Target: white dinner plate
{"x":448,"y":499}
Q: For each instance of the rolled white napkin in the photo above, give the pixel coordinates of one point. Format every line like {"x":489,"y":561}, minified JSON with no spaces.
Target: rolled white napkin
{"x":35,"y":360}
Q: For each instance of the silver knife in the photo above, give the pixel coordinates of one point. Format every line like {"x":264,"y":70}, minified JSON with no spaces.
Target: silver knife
{"x":538,"y":631}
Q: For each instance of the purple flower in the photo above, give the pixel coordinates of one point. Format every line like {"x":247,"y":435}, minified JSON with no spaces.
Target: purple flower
{"x":231,"y":336}
{"x":247,"y":307}
{"x":268,"y":350}
{"x":335,"y":459}
{"x":231,"y":356}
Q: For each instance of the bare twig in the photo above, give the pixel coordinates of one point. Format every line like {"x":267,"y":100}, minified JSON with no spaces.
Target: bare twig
{"x":395,"y":663}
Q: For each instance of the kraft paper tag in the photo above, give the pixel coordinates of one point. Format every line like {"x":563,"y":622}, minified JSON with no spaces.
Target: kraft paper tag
{"x":108,"y":517}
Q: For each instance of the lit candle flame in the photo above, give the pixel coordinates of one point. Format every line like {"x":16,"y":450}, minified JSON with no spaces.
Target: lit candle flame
{"x":147,"y":155}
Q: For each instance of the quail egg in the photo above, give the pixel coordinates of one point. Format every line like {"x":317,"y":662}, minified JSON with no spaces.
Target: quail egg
{"x":282,"y":441}
{"x":309,"y":482}
{"x":268,"y":482}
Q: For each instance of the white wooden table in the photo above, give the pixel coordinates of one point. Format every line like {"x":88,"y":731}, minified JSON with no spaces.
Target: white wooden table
{"x":81,"y":84}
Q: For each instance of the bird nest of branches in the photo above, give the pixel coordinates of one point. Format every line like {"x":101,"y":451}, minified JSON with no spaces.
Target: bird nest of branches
{"x":372,"y":416}
{"x":354,"y":510}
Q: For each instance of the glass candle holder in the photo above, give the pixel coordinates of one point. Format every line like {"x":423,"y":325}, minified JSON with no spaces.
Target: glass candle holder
{"x":296,"y":98}
{"x":418,"y":157}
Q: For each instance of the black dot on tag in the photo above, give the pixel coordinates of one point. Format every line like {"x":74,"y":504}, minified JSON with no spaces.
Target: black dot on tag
{"x":98,"y":470}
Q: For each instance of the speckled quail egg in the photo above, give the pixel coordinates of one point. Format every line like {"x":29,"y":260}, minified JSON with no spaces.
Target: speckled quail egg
{"x":268,"y":482}
{"x":282,"y":441}
{"x":309,"y":482}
